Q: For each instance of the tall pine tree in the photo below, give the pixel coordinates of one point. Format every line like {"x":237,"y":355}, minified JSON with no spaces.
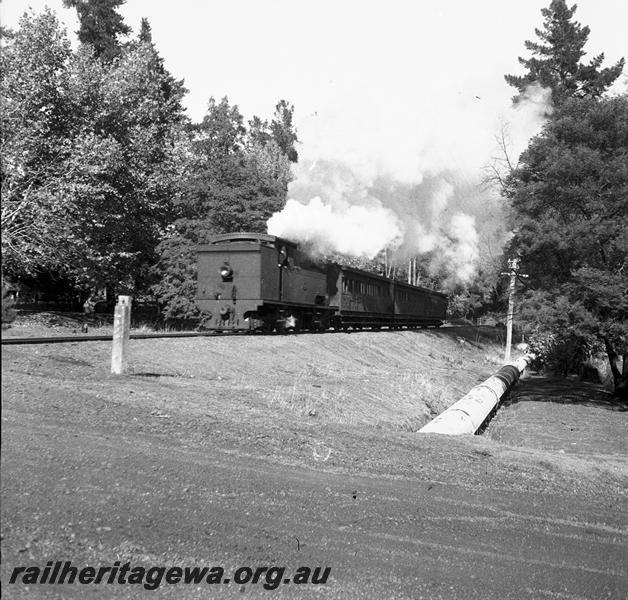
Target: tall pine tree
{"x":100,"y":25}
{"x":556,"y":60}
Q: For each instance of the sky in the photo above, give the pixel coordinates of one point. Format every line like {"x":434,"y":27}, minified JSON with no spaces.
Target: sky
{"x":319,"y":53}
{"x":409,"y":90}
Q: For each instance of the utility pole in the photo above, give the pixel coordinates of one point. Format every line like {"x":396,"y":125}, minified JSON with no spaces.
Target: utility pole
{"x":513,"y":265}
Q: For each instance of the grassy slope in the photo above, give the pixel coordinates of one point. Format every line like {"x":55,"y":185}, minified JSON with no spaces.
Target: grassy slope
{"x":395,"y":380}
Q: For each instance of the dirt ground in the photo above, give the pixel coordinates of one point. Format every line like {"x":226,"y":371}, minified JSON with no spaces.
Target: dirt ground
{"x":303,"y":451}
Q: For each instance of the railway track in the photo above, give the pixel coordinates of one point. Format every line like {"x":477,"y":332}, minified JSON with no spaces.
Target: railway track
{"x":101,"y":338}
{"x":59,"y":339}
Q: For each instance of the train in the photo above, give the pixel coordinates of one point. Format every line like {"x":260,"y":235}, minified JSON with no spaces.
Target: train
{"x":259,"y":282}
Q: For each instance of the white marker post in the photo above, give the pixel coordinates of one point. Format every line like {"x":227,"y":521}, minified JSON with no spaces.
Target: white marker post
{"x":121,"y":331}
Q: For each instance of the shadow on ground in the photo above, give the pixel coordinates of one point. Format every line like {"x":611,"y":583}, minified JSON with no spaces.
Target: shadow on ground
{"x":564,"y":391}
{"x":567,"y":416}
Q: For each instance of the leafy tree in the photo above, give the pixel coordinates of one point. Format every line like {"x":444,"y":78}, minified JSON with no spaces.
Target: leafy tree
{"x":234,"y":186}
{"x":146,"y":32}
{"x":175,"y":285}
{"x":283,"y":131}
{"x":36,"y":123}
{"x":556,"y":60}
{"x":91,"y":157}
{"x":259,"y":132}
{"x":129,"y":153}
{"x":100,"y":25}
{"x":486,"y":295}
{"x":570,"y":203}
{"x":237,"y":180}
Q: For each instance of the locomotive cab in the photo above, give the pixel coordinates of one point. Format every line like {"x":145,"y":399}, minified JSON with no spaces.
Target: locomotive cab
{"x":252,"y":281}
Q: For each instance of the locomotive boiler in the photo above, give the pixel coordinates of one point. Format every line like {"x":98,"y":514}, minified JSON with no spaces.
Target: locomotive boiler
{"x":253,"y":281}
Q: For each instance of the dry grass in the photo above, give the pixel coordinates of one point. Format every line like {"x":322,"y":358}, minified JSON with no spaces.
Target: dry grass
{"x":41,"y":323}
{"x":401,"y":401}
{"x":391,"y":380}
{"x":50,"y":323}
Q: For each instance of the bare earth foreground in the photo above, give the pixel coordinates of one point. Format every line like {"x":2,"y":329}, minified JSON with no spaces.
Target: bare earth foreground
{"x":301,"y":451}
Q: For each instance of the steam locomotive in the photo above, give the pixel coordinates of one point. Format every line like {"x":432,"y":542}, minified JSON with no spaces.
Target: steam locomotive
{"x":252,"y":281}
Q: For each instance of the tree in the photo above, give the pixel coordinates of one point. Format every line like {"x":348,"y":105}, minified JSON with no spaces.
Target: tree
{"x":556,"y":60}
{"x":234,"y":185}
{"x":283,"y":131}
{"x":146,"y":32}
{"x":36,"y":123}
{"x":100,"y":25}
{"x":570,"y":203}
{"x":129,"y":152}
{"x":259,"y":131}
{"x":175,"y":270}
{"x":91,"y":157}
{"x":237,"y":180}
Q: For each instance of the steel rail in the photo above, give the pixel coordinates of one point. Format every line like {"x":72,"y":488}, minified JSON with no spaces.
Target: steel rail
{"x":102,"y":338}
{"x":59,"y":339}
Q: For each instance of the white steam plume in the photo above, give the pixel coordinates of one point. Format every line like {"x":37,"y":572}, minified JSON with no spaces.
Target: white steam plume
{"x":411,"y":185}
{"x":333,"y":230}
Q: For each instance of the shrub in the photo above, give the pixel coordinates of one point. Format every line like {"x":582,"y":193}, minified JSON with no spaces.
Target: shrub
{"x":8,"y":301}
{"x":560,"y":354}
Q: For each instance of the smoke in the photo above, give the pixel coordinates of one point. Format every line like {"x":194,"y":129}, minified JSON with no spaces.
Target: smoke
{"x":413,"y":186}
{"x":524,"y":119}
{"x":333,"y":209}
{"x":338,"y":230}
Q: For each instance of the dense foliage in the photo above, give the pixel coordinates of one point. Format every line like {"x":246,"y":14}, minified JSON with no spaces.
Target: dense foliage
{"x":91,"y":155}
{"x":35,"y":124}
{"x":103,"y":176}
{"x":569,"y":197}
{"x":570,"y":201}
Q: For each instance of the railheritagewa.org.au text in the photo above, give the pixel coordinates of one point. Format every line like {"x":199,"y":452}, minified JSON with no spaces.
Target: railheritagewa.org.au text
{"x":152,"y":577}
